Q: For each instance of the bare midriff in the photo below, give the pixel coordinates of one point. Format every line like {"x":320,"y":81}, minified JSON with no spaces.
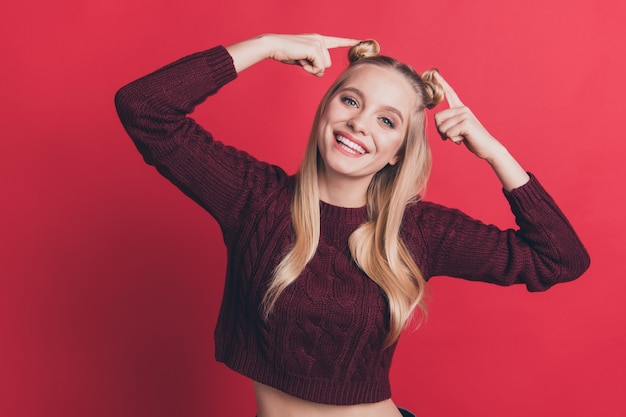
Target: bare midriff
{"x":274,"y":403}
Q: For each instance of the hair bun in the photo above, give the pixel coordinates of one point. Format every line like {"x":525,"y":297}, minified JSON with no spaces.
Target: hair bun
{"x":434,"y":90}
{"x":364,"y":49}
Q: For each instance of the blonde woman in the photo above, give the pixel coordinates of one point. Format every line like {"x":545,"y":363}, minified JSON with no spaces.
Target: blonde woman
{"x":326,"y":267}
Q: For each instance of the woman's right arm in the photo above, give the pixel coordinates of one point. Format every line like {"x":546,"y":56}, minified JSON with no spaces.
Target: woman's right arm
{"x":154,"y":109}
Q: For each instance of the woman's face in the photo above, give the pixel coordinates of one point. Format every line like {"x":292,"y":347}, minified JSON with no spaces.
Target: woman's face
{"x":365,"y":122}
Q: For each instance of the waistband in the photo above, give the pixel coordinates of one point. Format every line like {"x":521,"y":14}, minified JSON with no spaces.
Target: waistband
{"x":405,"y":412}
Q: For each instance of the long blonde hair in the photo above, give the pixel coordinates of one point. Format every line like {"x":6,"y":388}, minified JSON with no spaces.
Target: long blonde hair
{"x":376,"y":245}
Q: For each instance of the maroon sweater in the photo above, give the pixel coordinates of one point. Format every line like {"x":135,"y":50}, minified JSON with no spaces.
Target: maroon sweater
{"x":324,"y":339}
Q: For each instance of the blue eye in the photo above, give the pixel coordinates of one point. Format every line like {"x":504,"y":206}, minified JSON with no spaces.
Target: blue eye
{"x":388,"y":122}
{"x":349,"y":101}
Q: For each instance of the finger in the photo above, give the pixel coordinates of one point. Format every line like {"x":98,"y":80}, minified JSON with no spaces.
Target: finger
{"x":457,"y":140}
{"x":446,"y":119}
{"x":311,"y":67}
{"x":319,"y":63}
{"x":319,"y":57}
{"x":451,"y":97}
{"x":336,"y":42}
{"x":330,"y":42}
{"x":326,"y":58}
{"x":453,"y":128}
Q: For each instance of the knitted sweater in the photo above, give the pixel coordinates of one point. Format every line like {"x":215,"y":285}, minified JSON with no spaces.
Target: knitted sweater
{"x":324,"y":340}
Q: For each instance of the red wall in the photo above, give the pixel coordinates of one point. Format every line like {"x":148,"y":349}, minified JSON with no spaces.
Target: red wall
{"x":111,"y":279}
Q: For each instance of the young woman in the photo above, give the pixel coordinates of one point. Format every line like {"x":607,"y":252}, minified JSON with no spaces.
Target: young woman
{"x":326,"y":267}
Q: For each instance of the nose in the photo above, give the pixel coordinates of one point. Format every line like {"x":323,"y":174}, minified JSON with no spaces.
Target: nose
{"x":358,"y":124}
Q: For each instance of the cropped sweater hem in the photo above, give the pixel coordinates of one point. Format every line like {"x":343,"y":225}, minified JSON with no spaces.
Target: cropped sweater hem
{"x":322,"y":390}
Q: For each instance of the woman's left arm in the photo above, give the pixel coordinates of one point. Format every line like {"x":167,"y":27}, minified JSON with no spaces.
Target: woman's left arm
{"x":544,"y":250}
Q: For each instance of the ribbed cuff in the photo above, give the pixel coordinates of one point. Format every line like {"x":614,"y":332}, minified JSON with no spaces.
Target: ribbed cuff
{"x":221,"y":64}
{"x":526,"y":197}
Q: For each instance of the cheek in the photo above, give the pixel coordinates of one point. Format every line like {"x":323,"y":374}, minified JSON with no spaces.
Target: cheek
{"x":335,"y":112}
{"x":395,"y":147}
{"x":394,"y":143}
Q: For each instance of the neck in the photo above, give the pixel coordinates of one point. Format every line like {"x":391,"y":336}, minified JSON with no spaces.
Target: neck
{"x":343,"y":191}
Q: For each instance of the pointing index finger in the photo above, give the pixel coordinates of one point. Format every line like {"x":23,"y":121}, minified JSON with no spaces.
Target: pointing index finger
{"x":451,"y":97}
{"x":336,"y":42}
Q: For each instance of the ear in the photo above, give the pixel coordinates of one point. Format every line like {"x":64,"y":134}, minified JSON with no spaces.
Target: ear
{"x":394,"y":160}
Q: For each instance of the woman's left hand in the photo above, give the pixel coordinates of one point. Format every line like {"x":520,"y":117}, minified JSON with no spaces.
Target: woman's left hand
{"x":459,"y":125}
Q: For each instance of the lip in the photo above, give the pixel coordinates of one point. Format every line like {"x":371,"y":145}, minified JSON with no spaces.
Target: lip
{"x":350,"y":138}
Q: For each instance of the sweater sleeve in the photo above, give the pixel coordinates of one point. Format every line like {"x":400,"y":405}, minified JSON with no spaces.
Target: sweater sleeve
{"x":544,"y":251}
{"x":154,"y":111}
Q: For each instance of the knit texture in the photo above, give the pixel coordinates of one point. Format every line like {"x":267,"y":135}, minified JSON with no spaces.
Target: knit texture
{"x":324,"y":339}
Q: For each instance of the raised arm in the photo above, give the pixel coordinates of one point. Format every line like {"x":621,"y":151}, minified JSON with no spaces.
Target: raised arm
{"x":545,"y":250}
{"x":154,"y":111}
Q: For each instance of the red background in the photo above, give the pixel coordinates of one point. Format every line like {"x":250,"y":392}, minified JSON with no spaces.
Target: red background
{"x":111,"y":279}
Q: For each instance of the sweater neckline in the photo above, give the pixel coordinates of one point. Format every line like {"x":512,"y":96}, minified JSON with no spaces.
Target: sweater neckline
{"x":339,"y":214}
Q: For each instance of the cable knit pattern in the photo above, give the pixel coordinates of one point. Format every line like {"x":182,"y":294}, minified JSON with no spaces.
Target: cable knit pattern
{"x":324,"y":339}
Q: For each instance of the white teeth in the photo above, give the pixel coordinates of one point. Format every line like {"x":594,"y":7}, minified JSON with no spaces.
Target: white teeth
{"x":347,"y":143}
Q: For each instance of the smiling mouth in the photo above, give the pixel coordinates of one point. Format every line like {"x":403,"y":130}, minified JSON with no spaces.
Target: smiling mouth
{"x":349,"y":146}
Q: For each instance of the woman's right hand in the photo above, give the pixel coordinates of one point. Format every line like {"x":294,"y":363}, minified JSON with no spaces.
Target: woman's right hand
{"x":310,"y":51}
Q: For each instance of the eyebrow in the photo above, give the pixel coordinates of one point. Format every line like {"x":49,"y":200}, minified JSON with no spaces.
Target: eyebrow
{"x":388,"y":108}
